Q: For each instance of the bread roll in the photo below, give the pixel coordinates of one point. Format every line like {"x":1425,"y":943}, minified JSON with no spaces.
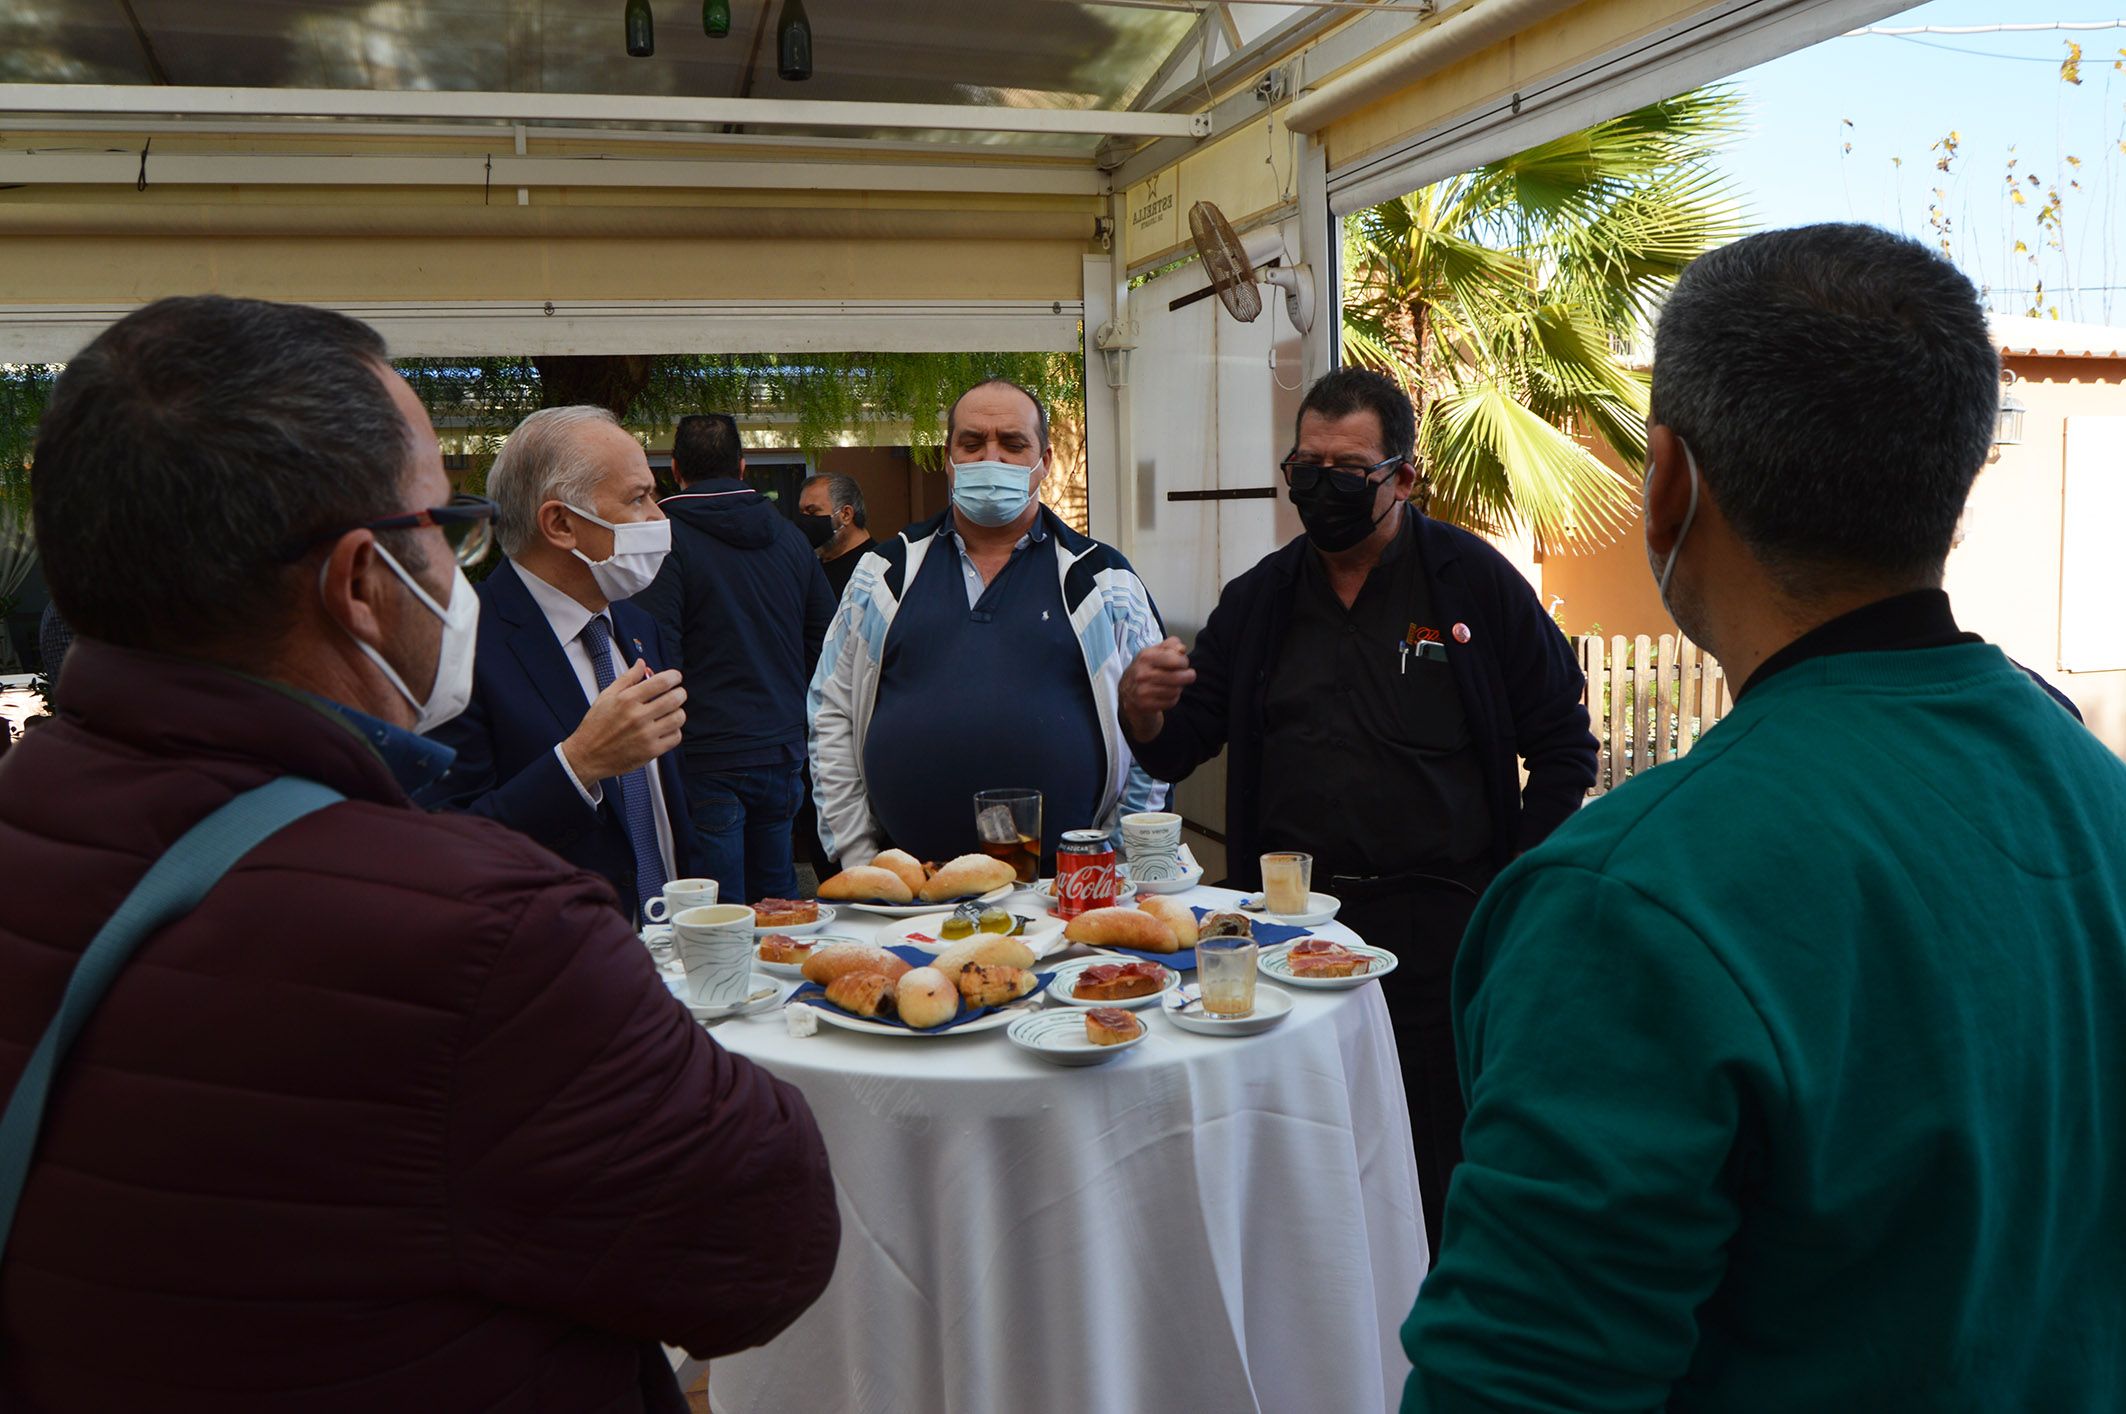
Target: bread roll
{"x":993,"y":986}
{"x":969,"y":874}
{"x":867,"y":883}
{"x":843,"y":959}
{"x":987,"y":949}
{"x":907,"y":866}
{"x":1177,"y":916}
{"x":864,"y":993}
{"x":1122,"y":928}
{"x":926,"y":998}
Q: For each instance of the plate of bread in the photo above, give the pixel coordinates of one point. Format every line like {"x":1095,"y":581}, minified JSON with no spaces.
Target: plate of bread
{"x":1318,"y":962}
{"x":1075,"y":1037}
{"x":1099,"y":982}
{"x":975,"y":985}
{"x":789,"y":916}
{"x":782,"y":955}
{"x":898,"y":885}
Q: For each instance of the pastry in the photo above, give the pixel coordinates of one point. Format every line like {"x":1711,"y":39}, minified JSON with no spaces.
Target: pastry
{"x":907,"y":866}
{"x":967,"y":876}
{"x":779,"y":947}
{"x":925,"y":999}
{"x":842,"y":959}
{"x":862,"y":993}
{"x":1225,"y":925}
{"x":784,"y":913}
{"x":1177,"y":916}
{"x":1116,"y":981}
{"x":1318,"y":957}
{"x":993,"y":986}
{"x":990,"y":949}
{"x":1111,"y":1026}
{"x":1121,"y":928}
{"x":867,"y":884}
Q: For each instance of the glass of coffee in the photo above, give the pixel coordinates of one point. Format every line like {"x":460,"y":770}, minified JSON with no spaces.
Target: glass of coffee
{"x":1007,"y":825}
{"x":1287,"y":879}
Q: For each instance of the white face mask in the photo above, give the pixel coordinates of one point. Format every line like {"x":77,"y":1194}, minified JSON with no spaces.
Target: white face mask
{"x":452,"y":688}
{"x":1668,"y":567}
{"x":639,"y":548}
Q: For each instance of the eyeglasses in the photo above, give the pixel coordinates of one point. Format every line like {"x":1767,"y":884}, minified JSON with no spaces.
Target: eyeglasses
{"x":467,"y":523}
{"x":1305,"y":476}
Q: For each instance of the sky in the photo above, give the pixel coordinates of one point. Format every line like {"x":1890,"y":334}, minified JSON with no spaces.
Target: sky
{"x":2002,"y":95}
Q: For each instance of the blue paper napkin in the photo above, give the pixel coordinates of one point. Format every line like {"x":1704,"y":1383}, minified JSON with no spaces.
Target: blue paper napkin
{"x":815,"y":995}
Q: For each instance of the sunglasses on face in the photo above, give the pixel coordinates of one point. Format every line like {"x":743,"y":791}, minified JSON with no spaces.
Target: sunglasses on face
{"x":1303,"y":476}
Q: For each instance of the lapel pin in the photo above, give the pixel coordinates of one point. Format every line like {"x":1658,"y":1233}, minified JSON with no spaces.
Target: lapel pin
{"x":1461,"y":633}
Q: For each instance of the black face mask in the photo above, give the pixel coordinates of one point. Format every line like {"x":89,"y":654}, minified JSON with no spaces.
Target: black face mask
{"x":818,"y":529}
{"x":1337,"y":517}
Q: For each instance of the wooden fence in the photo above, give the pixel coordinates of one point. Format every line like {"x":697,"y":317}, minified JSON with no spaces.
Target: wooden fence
{"x":1648,"y":700}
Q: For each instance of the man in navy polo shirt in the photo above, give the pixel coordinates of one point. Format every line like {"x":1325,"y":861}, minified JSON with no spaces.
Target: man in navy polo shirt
{"x":978,"y":650}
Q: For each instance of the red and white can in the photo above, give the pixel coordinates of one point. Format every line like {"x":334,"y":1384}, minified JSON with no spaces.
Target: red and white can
{"x":1085,"y":873}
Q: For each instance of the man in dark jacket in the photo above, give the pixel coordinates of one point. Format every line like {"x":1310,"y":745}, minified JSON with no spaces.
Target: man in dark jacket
{"x":744,"y":604}
{"x":400,"y":1116}
{"x":1378,"y":684}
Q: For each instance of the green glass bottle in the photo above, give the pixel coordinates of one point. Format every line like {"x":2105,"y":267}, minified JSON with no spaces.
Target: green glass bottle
{"x":793,"y":42}
{"x":641,"y":30}
{"x":716,"y":18}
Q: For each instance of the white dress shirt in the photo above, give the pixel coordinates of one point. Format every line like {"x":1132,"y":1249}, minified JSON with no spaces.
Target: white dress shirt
{"x":567,"y":618}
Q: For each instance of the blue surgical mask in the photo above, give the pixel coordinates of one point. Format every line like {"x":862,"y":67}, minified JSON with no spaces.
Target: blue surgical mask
{"x":992,"y":493}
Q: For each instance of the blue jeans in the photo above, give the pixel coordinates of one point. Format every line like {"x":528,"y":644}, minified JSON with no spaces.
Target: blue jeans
{"x":742,"y":821}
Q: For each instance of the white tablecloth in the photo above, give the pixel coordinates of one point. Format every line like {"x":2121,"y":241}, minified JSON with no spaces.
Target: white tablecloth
{"x":1203,"y":1223}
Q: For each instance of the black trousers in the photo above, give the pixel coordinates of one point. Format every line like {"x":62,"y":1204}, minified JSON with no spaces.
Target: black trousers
{"x":1420,"y":920}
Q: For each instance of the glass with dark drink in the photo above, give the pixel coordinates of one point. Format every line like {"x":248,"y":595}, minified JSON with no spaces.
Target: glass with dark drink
{"x":1007,"y":825}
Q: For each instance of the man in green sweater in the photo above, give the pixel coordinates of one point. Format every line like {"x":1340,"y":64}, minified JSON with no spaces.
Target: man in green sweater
{"x":1797,"y":1067}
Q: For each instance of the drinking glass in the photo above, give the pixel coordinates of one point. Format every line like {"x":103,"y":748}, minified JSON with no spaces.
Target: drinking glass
{"x":1287,"y":880}
{"x":1225,"y":970}
{"x":1007,"y":825}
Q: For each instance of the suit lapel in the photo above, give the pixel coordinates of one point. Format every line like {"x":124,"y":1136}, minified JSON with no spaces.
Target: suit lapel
{"x":531,"y":639}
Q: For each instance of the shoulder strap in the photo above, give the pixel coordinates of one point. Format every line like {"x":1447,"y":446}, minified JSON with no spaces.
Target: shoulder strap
{"x":171,"y":888}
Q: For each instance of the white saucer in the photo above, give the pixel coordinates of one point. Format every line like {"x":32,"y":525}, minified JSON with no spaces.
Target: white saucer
{"x":1042,"y":936}
{"x":1275,"y":964}
{"x":1058,"y":1037}
{"x":794,"y":930}
{"x":1065,"y":977}
{"x":1321,"y":908}
{"x":778,"y":992}
{"x":1271,"y":1007}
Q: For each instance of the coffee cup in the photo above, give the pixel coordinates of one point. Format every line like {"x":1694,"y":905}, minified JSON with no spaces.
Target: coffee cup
{"x":1152,"y":842}
{"x":716,"y":948}
{"x":678,"y":896}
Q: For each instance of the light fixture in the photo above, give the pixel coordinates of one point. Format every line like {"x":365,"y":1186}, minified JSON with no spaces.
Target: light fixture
{"x":2008,"y":429}
{"x":793,"y":42}
{"x":716,"y":18}
{"x":641,"y":30}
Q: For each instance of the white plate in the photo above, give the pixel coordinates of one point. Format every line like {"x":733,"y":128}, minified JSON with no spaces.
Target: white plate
{"x":797,"y":969}
{"x":1066,"y":977}
{"x":1190,"y":876}
{"x":1271,"y":1007}
{"x":1058,"y":1037}
{"x":780,"y":992}
{"x":1321,"y":908}
{"x":794,"y":930}
{"x":1275,"y":965}
{"x":1045,"y":890}
{"x":1042,"y":936}
{"x":1002,"y":1017}
{"x":917,"y":910}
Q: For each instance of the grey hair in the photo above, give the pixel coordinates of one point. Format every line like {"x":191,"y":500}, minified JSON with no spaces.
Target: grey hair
{"x":842,"y":491}
{"x":543,"y":460}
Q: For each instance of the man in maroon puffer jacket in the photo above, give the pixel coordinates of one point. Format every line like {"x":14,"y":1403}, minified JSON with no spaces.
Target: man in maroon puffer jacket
{"x":400,"y":1117}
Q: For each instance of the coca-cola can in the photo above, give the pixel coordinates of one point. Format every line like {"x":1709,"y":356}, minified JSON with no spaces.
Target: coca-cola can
{"x":1085,"y":873}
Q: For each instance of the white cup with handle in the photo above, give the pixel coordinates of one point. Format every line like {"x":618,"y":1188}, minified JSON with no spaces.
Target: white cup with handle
{"x":679,"y":895}
{"x":716,"y":947}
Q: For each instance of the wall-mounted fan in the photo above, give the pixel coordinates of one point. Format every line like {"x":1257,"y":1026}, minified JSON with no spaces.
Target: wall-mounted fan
{"x":1234,"y":275}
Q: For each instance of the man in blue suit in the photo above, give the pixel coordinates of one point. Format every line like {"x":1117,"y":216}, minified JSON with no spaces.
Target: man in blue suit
{"x":569,"y":735}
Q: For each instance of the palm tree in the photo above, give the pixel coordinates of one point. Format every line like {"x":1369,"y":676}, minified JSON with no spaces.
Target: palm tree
{"x":1502,"y":300}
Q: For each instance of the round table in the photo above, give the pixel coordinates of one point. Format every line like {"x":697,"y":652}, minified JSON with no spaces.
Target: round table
{"x":1202,"y":1223}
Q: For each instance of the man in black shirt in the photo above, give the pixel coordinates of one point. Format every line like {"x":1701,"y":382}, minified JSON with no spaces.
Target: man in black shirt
{"x":1378,"y":683}
{"x":830,"y":511}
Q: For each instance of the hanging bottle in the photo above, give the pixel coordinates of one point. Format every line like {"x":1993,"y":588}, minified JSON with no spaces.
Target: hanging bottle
{"x":641,"y":30}
{"x":716,"y":18}
{"x":793,"y":42}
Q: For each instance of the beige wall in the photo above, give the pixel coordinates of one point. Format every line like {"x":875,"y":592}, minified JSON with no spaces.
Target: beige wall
{"x":1607,"y":585}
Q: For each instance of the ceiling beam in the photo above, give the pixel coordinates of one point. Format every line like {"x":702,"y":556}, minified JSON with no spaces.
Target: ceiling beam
{"x":588,"y":108}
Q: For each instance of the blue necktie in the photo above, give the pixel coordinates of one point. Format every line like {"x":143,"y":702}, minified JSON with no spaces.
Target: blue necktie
{"x":635,"y":786}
